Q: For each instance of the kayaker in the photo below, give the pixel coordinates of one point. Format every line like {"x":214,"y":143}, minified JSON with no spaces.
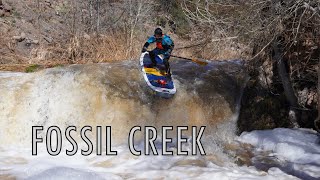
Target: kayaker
{"x":164,"y":46}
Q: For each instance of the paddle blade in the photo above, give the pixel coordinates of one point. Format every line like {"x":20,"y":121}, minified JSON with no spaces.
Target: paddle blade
{"x":199,"y":62}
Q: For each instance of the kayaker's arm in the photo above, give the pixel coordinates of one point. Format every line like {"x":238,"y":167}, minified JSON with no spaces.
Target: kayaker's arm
{"x":170,"y":44}
{"x":145,"y":47}
{"x":151,"y":40}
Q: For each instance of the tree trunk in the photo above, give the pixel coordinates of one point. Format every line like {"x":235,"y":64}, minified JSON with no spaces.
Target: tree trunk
{"x":91,"y":15}
{"x":98,"y":17}
{"x":286,"y":83}
{"x":317,"y":121}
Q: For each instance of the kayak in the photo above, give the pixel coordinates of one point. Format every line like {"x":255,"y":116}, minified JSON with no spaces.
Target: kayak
{"x":157,"y":79}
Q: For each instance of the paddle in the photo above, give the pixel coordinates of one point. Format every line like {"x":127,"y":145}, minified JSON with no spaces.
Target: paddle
{"x":193,"y":60}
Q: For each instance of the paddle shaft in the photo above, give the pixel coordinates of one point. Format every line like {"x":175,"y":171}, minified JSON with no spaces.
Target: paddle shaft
{"x":193,"y":60}
{"x":181,"y":57}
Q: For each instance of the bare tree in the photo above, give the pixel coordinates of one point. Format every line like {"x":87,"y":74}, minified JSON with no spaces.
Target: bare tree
{"x":317,"y":121}
{"x":138,"y":14}
{"x":285,"y":79}
{"x":257,"y":24}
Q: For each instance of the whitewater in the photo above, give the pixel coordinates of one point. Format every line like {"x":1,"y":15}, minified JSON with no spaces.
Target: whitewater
{"x":114,"y":94}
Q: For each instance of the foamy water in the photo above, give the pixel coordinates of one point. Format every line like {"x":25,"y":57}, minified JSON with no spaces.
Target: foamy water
{"x":115,"y":95}
{"x":20,"y":164}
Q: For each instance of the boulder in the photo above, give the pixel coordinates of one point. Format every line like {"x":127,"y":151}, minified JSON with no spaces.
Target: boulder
{"x":20,"y":38}
{"x":7,"y":8}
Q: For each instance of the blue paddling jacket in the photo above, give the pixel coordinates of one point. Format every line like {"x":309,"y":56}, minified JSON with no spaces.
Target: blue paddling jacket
{"x":164,"y":45}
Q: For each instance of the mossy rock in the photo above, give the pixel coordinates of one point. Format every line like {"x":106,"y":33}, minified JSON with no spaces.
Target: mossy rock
{"x":32,"y":68}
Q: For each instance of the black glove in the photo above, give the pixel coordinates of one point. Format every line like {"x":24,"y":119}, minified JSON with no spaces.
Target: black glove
{"x":144,"y":49}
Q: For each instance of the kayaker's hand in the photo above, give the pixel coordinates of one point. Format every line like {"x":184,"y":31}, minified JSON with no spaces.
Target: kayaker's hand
{"x":144,"y":49}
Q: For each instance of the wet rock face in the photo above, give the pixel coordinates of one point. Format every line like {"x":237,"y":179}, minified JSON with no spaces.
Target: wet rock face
{"x":261,"y":110}
{"x":261,"y":105}
{"x":115,"y":94}
{"x":264,"y":104}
